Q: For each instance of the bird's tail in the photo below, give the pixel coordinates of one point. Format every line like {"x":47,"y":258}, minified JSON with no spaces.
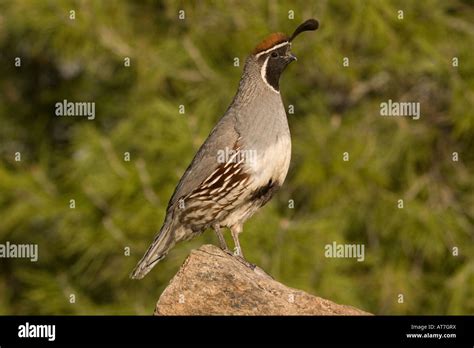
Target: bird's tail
{"x":162,"y":243}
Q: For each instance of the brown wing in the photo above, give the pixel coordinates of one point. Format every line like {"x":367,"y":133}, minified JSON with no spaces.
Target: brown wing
{"x":217,"y":195}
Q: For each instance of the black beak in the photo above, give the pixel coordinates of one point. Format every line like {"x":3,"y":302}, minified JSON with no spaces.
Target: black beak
{"x":291,"y":57}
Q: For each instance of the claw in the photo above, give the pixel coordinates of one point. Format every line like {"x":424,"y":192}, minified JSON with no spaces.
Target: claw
{"x":245,"y":262}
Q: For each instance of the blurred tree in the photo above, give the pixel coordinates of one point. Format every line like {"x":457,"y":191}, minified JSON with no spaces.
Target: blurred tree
{"x":138,"y":61}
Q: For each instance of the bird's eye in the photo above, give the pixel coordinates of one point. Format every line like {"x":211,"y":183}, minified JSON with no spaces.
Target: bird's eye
{"x":274,"y":54}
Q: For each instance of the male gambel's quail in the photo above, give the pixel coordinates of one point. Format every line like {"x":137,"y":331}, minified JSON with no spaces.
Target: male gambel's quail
{"x":216,"y":192}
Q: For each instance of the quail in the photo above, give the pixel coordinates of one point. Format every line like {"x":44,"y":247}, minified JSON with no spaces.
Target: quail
{"x":242,"y":163}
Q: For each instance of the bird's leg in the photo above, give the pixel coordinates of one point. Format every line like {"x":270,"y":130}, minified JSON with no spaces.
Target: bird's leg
{"x":235,"y":230}
{"x":222,"y":243}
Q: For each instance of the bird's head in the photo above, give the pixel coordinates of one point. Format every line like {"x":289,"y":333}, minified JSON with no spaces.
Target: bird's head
{"x":273,"y":54}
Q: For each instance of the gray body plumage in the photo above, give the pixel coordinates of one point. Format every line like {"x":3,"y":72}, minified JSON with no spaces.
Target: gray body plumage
{"x":256,"y":114}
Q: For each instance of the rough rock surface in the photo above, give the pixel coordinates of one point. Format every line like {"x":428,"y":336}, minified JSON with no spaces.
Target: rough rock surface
{"x":211,"y":282}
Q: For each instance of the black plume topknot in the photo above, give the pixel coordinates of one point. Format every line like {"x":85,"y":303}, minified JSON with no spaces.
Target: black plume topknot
{"x":310,"y":24}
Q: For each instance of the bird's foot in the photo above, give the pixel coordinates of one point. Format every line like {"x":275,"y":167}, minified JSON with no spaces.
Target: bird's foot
{"x":239,"y":257}
{"x":227,"y":251}
{"x":245,"y":262}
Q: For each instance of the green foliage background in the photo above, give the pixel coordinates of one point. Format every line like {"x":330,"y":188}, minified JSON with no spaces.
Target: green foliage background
{"x":121,"y":204}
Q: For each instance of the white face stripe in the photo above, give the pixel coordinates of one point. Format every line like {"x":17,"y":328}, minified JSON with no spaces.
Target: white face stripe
{"x":263,"y":72}
{"x":273,"y":48}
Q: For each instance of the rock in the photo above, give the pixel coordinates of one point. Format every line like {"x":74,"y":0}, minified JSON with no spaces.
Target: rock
{"x":211,"y":282}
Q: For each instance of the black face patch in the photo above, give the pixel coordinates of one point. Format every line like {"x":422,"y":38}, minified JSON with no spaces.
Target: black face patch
{"x":277,"y":61}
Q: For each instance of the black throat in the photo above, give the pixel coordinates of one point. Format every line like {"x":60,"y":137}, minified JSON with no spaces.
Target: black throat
{"x":272,"y":75}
